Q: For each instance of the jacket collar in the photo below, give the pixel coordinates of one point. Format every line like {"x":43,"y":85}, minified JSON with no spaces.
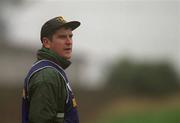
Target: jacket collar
{"x":45,"y":53}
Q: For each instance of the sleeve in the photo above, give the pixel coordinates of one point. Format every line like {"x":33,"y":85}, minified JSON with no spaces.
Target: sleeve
{"x":44,"y":89}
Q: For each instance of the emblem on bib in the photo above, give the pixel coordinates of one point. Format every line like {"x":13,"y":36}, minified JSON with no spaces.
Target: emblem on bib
{"x":74,"y":102}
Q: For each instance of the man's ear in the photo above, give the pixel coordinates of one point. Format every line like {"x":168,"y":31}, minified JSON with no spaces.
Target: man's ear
{"x":46,"y":42}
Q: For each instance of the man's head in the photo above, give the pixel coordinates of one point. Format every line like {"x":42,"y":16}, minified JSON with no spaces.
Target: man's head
{"x":56,"y":35}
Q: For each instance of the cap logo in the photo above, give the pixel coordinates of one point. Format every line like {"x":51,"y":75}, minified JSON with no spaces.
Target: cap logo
{"x":60,"y":19}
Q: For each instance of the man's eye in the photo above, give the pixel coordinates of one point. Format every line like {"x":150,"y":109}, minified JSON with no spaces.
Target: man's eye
{"x":70,"y":36}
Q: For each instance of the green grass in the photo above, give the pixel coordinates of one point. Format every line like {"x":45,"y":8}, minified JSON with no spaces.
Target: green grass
{"x":163,"y":116}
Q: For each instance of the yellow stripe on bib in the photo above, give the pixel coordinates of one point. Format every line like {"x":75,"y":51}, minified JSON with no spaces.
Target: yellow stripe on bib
{"x":74,"y":102}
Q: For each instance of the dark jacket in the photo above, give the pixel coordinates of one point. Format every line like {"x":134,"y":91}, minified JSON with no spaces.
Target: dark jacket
{"x":47,"y":92}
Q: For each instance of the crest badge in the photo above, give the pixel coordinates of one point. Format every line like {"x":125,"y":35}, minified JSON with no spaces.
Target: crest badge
{"x":60,"y":19}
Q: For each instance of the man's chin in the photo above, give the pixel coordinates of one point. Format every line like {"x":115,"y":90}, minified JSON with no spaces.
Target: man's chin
{"x":67,"y":57}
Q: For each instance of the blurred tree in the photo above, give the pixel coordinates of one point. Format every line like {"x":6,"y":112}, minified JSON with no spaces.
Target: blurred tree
{"x":13,"y":2}
{"x":142,"y":78}
{"x":3,"y":5}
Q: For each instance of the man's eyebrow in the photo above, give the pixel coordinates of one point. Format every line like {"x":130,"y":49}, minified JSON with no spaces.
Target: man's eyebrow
{"x":66,"y":35}
{"x":61,"y":34}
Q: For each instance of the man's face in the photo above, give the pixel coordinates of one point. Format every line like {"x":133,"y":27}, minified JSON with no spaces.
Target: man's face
{"x":61,"y":42}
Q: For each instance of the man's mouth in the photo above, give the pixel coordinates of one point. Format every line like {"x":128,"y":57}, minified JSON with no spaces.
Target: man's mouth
{"x":67,"y":49}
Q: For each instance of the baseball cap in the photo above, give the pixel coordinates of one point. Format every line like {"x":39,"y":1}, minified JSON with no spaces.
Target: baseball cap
{"x":55,"y":23}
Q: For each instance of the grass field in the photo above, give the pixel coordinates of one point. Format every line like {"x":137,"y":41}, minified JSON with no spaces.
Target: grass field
{"x":139,"y":111}
{"x":164,"y":116}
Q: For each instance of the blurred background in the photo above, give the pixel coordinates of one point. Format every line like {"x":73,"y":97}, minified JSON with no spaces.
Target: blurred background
{"x":126,"y":57}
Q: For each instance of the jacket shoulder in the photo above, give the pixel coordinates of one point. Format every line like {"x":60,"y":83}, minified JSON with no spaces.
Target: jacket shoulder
{"x":46,"y":75}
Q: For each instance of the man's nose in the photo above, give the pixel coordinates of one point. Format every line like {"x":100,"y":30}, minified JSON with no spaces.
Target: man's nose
{"x":69,"y":40}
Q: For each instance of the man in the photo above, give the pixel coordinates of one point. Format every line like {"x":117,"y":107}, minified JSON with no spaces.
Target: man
{"x":47,"y":95}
